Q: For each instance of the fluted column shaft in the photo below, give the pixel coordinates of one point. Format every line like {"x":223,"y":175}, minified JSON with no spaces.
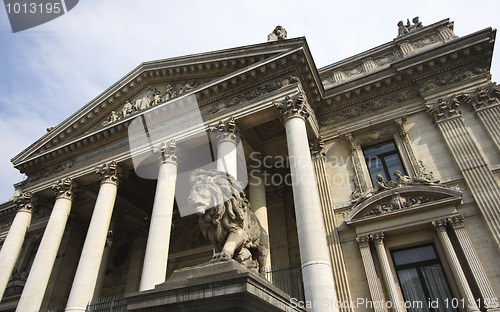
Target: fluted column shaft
{"x":155,"y":261}
{"x":258,"y":203}
{"x":475,"y":265}
{"x":371,"y":274}
{"x":87,"y":271}
{"x":397,"y":302}
{"x":38,"y":278}
{"x":332,"y":237}
{"x":14,"y":240}
{"x":319,"y":286}
{"x":456,"y":268}
{"x":490,"y":117}
{"x":484,"y":187}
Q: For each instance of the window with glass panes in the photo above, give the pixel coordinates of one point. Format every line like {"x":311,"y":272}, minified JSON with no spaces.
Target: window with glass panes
{"x":383,"y":158}
{"x":422,"y":279}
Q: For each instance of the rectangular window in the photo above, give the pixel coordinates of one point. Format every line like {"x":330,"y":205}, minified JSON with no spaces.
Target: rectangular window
{"x":422,"y":280}
{"x":384,"y":159}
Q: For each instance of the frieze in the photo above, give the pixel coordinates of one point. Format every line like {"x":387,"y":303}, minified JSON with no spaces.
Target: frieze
{"x":50,"y":171}
{"x":425,"y":41}
{"x":250,"y":95}
{"x":356,"y":111}
{"x":455,"y":76}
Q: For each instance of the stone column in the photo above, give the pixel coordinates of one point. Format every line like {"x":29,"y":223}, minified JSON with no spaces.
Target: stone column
{"x":155,"y":261}
{"x":38,"y":278}
{"x":392,"y":288}
{"x":456,"y":268}
{"x":15,"y":238}
{"x":317,"y":273}
{"x":371,"y":274}
{"x":336,"y":256}
{"x":258,"y":205}
{"x":478,"y":177}
{"x":87,"y":271}
{"x":104,"y":263}
{"x":475,"y":265}
{"x":227,"y":141}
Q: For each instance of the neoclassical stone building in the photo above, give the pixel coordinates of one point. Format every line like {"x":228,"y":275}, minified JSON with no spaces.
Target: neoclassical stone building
{"x":377,"y":177}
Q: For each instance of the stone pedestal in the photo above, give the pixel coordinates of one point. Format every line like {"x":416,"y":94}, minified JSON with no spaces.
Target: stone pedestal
{"x":223,"y":286}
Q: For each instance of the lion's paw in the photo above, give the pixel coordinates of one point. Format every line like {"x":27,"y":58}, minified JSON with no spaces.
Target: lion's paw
{"x":221,"y":256}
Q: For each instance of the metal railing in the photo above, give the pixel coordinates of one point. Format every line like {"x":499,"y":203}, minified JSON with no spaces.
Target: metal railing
{"x":289,"y":280}
{"x":109,"y":304}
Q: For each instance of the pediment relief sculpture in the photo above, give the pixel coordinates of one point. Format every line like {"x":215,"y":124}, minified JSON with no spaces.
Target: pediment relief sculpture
{"x":151,"y":97}
{"x":402,"y":193}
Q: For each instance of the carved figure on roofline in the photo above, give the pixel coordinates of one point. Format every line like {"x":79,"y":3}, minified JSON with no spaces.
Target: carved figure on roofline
{"x":279,"y":33}
{"x":226,"y":220}
{"x":409,"y":28}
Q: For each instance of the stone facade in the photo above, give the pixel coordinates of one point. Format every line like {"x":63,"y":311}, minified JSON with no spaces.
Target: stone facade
{"x":352,"y":170}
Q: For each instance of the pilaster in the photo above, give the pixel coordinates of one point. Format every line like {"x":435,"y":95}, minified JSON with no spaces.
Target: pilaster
{"x":489,"y":298}
{"x":371,"y":274}
{"x":485,"y":102}
{"x":463,"y":286}
{"x":336,"y":255}
{"x":360,"y":186}
{"x":396,"y":299}
{"x":477,"y":175}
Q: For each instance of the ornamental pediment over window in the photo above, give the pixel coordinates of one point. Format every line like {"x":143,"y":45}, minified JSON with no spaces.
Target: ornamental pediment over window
{"x":402,"y":199}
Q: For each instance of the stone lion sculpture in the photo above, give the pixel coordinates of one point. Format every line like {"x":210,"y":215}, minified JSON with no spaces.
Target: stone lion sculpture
{"x":226,"y":220}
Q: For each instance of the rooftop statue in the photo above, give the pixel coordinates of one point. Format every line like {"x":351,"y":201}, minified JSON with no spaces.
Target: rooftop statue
{"x":279,"y":33}
{"x":226,"y":220}
{"x":408,"y":28}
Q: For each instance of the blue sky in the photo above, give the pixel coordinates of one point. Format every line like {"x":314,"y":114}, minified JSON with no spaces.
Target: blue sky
{"x":50,"y":71}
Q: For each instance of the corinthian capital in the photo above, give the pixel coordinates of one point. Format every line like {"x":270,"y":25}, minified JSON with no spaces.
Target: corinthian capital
{"x":483,"y":97}
{"x":439,"y":225}
{"x":64,"y":188}
{"x":168,"y":152}
{"x":226,"y":130}
{"x":445,"y":109}
{"x":295,"y":106}
{"x":109,"y":172}
{"x":25,"y":201}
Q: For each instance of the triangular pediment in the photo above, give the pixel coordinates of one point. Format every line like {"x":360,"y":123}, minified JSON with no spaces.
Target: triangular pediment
{"x":403,"y":200}
{"x":157,"y":83}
